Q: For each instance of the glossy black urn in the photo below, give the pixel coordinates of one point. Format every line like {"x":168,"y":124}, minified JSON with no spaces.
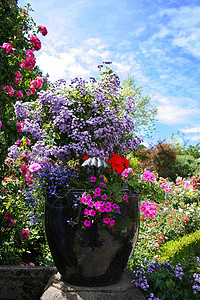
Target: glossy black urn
{"x":96,"y":255}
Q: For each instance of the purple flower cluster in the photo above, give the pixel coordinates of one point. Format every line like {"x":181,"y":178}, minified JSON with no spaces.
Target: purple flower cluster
{"x":67,"y":123}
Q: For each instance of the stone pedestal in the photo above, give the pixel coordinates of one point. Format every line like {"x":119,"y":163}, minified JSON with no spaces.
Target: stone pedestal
{"x":56,"y":289}
{"x":24,"y":282}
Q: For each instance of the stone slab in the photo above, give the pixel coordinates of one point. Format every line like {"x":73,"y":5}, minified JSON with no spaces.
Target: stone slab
{"x":56,"y":289}
{"x":24,"y":282}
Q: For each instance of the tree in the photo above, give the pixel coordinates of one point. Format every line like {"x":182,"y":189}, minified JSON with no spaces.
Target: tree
{"x":160,"y":158}
{"x":145,"y":114}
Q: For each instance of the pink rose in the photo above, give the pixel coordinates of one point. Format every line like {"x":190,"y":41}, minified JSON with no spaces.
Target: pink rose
{"x":23,"y":64}
{"x":32,"y":88}
{"x":0,"y":124}
{"x":9,"y":90}
{"x":43,"y":30}
{"x":29,"y":53}
{"x":19,"y":94}
{"x":19,"y":126}
{"x":17,"y":73}
{"x":35,"y":42}
{"x":8,"y":48}
{"x":24,"y":234}
{"x":18,"y":79}
{"x":34,"y":167}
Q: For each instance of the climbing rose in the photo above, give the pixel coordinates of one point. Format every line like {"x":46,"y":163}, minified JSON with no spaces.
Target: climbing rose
{"x":9,"y":90}
{"x":35,"y":42}
{"x":43,"y":30}
{"x":24,"y":234}
{"x":8,"y":47}
{"x":19,"y":94}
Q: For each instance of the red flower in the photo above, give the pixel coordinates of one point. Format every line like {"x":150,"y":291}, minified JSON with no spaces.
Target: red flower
{"x":118,"y":163}
{"x":185,"y":218}
{"x":85,"y":157}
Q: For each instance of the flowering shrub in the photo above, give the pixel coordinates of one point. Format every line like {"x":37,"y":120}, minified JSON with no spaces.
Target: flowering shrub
{"x":18,"y":68}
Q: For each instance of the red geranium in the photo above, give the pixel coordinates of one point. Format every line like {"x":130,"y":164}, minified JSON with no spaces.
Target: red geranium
{"x":118,"y":163}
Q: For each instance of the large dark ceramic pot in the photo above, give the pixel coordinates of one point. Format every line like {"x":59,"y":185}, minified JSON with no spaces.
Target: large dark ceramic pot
{"x":96,"y":255}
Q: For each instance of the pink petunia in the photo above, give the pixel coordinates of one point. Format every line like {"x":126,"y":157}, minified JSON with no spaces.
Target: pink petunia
{"x":87,"y":223}
{"x":112,"y":222}
{"x":106,"y":220}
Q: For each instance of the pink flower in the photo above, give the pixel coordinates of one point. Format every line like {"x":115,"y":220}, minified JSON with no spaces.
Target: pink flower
{"x":9,"y":90}
{"x":92,"y":179}
{"x":32,"y":88}
{"x":185,"y":218}
{"x":24,"y":234}
{"x":112,"y":222}
{"x":106,"y":220}
{"x":8,"y":47}
{"x":148,"y":209}
{"x":38,"y":82}
{"x":87,"y":223}
{"x":17,"y":73}
{"x":125,"y":197}
{"x":104,"y":197}
{"x":0,"y":124}
{"x":28,"y":178}
{"x":156,"y":244}
{"x":18,"y":79}
{"x":11,"y":222}
{"x":19,"y":94}
{"x":97,"y":190}
{"x":187,"y":185}
{"x":30,"y":63}
{"x":102,"y":183}
{"x":108,"y":208}
{"x":28,"y":142}
{"x":7,"y":215}
{"x":86,"y":211}
{"x":92,"y":212}
{"x":115,"y":206}
{"x":19,"y":126}
{"x":23,"y":64}
{"x":29,"y":53}
{"x":34,"y":167}
{"x":90,"y":203}
{"x":43,"y":30}
{"x":35,"y":42}
{"x":21,"y":264}
{"x":147,"y":175}
{"x":31,"y":264}
{"x":126,"y":172}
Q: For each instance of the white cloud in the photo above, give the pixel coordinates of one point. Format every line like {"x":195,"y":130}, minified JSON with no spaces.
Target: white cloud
{"x":191,"y":130}
{"x":171,"y":111}
{"x":74,"y":62}
{"x":182,"y":27}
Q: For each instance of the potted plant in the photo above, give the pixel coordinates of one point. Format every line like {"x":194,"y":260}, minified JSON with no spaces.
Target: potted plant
{"x":79,"y":137}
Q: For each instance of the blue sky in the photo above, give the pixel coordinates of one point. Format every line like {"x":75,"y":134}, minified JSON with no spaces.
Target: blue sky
{"x":157,"y":41}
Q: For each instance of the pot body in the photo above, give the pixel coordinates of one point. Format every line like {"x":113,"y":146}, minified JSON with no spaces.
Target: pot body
{"x":92,"y":256}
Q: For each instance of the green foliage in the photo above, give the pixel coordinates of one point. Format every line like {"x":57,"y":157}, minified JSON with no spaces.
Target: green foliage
{"x":186,"y":246}
{"x":145,"y":114}
{"x":187,"y":165}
